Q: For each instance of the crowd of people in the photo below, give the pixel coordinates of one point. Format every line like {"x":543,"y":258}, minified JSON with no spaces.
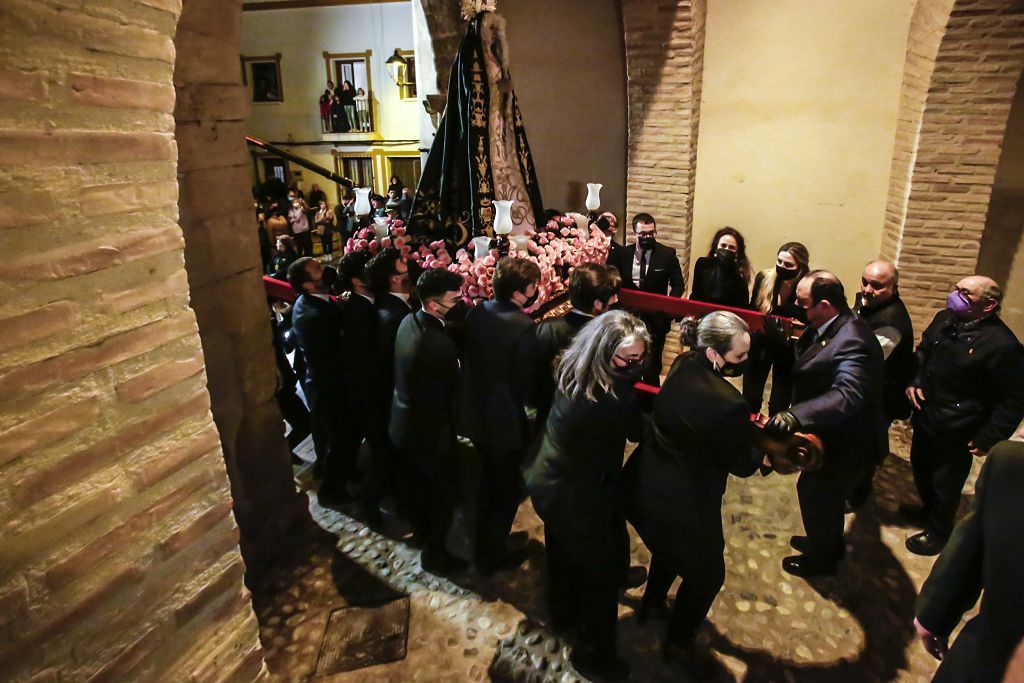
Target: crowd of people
{"x":289,"y":225}
{"x":345,"y":109}
{"x":394,"y":358}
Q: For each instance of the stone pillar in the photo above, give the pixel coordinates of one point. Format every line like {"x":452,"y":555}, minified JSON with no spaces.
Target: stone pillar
{"x":222,"y":258}
{"x":119,"y":555}
{"x":979,"y":61}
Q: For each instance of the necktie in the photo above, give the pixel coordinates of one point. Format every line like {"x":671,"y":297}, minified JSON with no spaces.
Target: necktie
{"x":806,"y":340}
{"x":644,"y":256}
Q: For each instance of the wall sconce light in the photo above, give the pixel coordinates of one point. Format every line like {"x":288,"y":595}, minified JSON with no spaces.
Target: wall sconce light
{"x":396,"y":65}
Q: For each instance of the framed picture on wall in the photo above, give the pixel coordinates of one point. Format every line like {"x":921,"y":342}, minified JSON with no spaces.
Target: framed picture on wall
{"x":263,"y":76}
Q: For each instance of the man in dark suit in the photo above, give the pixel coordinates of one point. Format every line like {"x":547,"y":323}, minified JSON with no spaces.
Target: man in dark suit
{"x":424,"y":411}
{"x":608,"y":222}
{"x":968,"y":395}
{"x":388,"y":276}
{"x":593,"y":289}
{"x":983,"y":554}
{"x":317,"y":325}
{"x":651,"y":267}
{"x":497,"y":346}
{"x":837,"y":395}
{"x":879,"y":303}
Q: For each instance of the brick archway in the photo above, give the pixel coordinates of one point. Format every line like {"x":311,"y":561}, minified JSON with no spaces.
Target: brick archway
{"x":963,"y":63}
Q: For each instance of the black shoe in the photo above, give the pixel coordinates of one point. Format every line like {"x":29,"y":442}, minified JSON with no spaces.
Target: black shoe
{"x":371,"y":511}
{"x":925,"y":544}
{"x":634,"y":577}
{"x":512,"y":559}
{"x":599,"y":669}
{"x":804,"y":566}
{"x":696,"y":658}
{"x":799,"y":543}
{"x":647,"y":611}
{"x":915,"y":514}
{"x":442,"y":563}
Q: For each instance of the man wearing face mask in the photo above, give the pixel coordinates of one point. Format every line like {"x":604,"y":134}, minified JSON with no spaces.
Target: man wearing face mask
{"x":879,"y":303}
{"x":837,"y":395}
{"x":497,"y":347}
{"x":967,"y":395}
{"x":317,"y":324}
{"x":649,"y":266}
{"x":388,"y":276}
{"x":424,"y":411}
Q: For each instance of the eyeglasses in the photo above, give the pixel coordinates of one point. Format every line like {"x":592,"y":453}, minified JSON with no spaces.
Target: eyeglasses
{"x":631,"y":361}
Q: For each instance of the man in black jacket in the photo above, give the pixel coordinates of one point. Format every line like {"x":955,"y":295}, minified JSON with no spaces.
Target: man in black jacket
{"x":651,"y":267}
{"x":497,"y":347}
{"x":983,"y":554}
{"x":593,"y":289}
{"x":837,"y":386}
{"x":388,"y":276}
{"x":317,"y":324}
{"x":879,"y":303}
{"x":424,"y":412}
{"x":968,"y":395}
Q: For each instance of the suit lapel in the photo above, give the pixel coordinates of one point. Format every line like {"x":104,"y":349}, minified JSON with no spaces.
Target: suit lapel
{"x":824,"y":340}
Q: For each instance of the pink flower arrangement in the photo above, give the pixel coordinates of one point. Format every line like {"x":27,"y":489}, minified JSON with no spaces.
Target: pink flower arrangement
{"x":565,"y":243}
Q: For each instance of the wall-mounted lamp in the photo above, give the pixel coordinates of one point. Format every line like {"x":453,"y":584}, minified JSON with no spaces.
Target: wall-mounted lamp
{"x":396,"y":65}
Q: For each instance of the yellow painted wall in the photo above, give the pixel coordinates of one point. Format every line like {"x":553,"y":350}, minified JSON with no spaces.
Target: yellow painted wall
{"x":798,"y":121}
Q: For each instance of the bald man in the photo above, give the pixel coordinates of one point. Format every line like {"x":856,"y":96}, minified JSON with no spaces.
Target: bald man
{"x":837,"y":395}
{"x":879,"y":303}
{"x":967,"y":395}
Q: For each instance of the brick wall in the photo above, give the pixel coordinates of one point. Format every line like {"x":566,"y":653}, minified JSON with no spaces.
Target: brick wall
{"x":444,"y":20}
{"x":222,"y":258}
{"x":664,"y":61}
{"x":977,"y":65}
{"x":119,"y":553}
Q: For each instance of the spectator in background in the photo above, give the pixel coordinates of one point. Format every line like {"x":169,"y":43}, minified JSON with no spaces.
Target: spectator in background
{"x":395,"y":185}
{"x":775,"y":294}
{"x":284,"y":256}
{"x":378,"y":207}
{"x":348,"y":102}
{"x":723,"y":276}
{"x":344,"y":216}
{"x":362,"y":111}
{"x":405,"y":204}
{"x":299,"y":222}
{"x":324,"y":224}
{"x":609,"y":225}
{"x":316,"y":195}
{"x":325,"y":108}
{"x":337,"y":114}
{"x":277,"y":224}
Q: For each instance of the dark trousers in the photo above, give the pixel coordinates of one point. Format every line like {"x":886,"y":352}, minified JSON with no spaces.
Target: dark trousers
{"x":433,"y":506}
{"x":500,"y":490}
{"x":941,"y":464}
{"x":865,"y":484}
{"x":582,"y":590}
{"x":822,"y":495}
{"x":703,"y":576}
{"x":303,"y":243}
{"x":327,"y":240}
{"x":336,"y":452}
{"x":768,"y":355}
{"x":652,"y":375}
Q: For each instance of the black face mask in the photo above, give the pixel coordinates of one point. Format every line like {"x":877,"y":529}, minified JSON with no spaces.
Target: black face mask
{"x":726,"y":256}
{"x":329,"y":278}
{"x":630,"y":374}
{"x":457,"y":311}
{"x":727,"y":369}
{"x":531,"y":300}
{"x":786,"y":273}
{"x":646,"y":242}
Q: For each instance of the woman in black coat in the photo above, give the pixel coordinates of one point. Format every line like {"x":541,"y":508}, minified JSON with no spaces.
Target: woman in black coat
{"x":575,"y":483}
{"x":723,"y":276}
{"x":699,"y":435}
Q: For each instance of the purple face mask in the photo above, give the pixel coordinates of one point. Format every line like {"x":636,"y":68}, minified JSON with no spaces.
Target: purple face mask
{"x":958,"y":303}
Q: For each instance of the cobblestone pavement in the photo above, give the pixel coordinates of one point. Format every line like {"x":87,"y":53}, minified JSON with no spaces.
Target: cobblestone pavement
{"x":765,"y":624}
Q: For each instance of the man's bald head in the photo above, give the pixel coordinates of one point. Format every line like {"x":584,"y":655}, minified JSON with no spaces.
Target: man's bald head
{"x":878,"y":283}
{"x":983,"y":293}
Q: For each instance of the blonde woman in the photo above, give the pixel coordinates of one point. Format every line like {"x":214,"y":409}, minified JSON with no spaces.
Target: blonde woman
{"x":775,"y":294}
{"x":575,"y":482}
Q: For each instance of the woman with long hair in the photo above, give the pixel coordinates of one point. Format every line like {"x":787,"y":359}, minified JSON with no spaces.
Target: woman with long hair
{"x":723,"y":276}
{"x":698,"y":435}
{"x":323,"y":221}
{"x":775,"y":294}
{"x":575,"y":483}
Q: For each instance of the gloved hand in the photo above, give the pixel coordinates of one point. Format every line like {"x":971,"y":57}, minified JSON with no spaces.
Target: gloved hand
{"x":778,"y":328}
{"x":782,"y":424}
